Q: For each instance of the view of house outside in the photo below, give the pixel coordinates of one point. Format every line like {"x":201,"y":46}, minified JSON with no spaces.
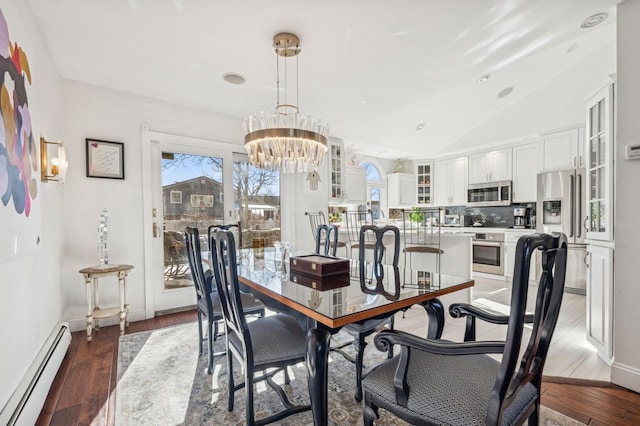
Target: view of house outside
{"x":193,"y":195}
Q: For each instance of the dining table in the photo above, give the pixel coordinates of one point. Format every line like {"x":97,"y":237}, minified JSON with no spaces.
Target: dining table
{"x":324,"y":305}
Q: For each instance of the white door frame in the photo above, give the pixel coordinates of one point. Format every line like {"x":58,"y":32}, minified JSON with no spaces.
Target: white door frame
{"x":152,"y":144}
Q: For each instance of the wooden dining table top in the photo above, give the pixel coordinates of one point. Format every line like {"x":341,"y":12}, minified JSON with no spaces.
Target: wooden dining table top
{"x":359,"y":296}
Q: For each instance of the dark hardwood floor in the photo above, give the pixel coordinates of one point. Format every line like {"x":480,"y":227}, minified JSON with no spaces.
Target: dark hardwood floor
{"x":83,"y":392}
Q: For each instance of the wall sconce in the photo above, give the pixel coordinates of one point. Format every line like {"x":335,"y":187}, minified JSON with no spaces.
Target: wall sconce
{"x":53,"y":163}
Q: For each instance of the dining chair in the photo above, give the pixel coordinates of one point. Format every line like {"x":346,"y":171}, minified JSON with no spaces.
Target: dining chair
{"x":421,"y":235}
{"x":317,"y":219}
{"x":235,"y":227}
{"x":207,"y":299}
{"x":354,"y":221}
{"x":327,"y":239}
{"x":361,"y":329}
{"x":459,"y":383}
{"x":274,"y":342}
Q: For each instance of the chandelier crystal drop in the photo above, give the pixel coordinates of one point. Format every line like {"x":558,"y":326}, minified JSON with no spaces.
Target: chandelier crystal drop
{"x":284,"y":139}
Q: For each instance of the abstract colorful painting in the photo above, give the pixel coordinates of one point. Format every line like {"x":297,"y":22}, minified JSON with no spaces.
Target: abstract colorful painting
{"x":18,"y":152}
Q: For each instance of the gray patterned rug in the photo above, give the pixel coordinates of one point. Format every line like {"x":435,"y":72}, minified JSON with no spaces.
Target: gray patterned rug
{"x":162,"y":381}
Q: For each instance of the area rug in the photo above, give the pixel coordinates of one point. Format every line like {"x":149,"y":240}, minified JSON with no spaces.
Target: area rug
{"x":162,"y":381}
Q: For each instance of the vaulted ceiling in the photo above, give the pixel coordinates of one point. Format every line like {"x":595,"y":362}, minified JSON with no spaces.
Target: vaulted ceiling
{"x":395,"y":79}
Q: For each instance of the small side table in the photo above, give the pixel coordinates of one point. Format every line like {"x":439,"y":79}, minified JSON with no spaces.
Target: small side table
{"x":94,"y":312}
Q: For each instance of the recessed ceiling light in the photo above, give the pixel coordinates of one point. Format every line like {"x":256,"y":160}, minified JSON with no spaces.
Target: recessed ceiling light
{"x":483,"y":79}
{"x":505,"y":92}
{"x":420,"y":126}
{"x":593,"y":20}
{"x":234,"y":78}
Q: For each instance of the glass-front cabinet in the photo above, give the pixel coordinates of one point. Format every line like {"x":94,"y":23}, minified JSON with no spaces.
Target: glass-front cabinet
{"x":336,"y":171}
{"x":423,"y":180}
{"x":599,"y":152}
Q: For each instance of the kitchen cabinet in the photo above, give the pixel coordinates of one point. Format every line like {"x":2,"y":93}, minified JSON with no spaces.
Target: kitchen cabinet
{"x":450,"y":182}
{"x":599,"y":163}
{"x":336,"y":171}
{"x":356,"y":185}
{"x":600,"y":300}
{"x":511,"y":238}
{"x":401,"y":190}
{"x":563,"y":150}
{"x":491,"y":166}
{"x":424,"y":175}
{"x":525,"y":170}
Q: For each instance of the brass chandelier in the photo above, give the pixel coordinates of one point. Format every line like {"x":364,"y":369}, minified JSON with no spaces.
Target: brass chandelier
{"x":284,"y":139}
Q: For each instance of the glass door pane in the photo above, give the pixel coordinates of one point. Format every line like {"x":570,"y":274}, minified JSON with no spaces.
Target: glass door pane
{"x":192,"y":195}
{"x":257,"y":202}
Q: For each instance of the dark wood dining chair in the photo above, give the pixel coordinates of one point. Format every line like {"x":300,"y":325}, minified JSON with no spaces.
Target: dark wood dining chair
{"x":361,"y":329}
{"x":235,"y":227}
{"x":458,"y":383}
{"x":317,"y":219}
{"x":207,"y":299}
{"x":274,"y":342}
{"x":327,"y":240}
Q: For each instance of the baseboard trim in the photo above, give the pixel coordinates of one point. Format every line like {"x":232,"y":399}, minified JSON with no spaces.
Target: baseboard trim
{"x":79,"y":324}
{"x":625,"y":376}
{"x":577,"y":381}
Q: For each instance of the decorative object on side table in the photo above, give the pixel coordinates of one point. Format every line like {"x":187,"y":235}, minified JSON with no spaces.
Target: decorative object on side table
{"x":103,"y":233}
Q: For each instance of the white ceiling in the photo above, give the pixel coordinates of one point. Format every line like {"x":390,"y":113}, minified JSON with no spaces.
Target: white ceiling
{"x":373,"y":69}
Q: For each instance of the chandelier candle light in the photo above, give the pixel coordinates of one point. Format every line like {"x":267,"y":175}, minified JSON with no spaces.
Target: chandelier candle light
{"x":284,"y":139}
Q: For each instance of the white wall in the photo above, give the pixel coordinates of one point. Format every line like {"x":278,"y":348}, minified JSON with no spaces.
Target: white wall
{"x":31,"y":299}
{"x":626,"y":368}
{"x":99,"y":113}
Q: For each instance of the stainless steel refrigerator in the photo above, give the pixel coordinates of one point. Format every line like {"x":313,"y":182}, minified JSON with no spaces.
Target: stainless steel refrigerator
{"x":560,"y":208}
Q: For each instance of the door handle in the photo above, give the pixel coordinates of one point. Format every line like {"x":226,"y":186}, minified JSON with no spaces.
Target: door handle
{"x":577,"y":217}
{"x":572,"y":204}
{"x":584,"y":223}
{"x":156,"y":230}
{"x":586,"y":259}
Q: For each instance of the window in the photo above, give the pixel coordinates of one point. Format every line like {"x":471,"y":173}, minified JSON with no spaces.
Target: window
{"x":375,"y":188}
{"x":176,"y":197}
{"x":201,"y":200}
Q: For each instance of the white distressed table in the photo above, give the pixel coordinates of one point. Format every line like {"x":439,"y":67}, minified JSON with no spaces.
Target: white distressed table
{"x":94,"y":311}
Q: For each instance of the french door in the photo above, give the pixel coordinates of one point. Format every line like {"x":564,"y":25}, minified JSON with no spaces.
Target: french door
{"x":197,"y":183}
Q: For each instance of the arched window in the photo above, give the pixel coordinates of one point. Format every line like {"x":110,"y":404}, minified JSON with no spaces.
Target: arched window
{"x":375,"y":188}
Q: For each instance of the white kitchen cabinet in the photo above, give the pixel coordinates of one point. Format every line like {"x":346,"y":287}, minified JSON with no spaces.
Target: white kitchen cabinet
{"x":491,"y":166}
{"x":337,"y":163}
{"x":600,"y":300}
{"x":401,"y":190}
{"x":563,"y":150}
{"x":599,"y":162}
{"x":450,"y":182}
{"x":356,"y":185}
{"x":511,"y":238}
{"x":525,"y":170}
{"x":424,"y":175}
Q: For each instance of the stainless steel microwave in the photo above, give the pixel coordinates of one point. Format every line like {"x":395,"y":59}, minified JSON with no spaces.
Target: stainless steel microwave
{"x":489,"y":194}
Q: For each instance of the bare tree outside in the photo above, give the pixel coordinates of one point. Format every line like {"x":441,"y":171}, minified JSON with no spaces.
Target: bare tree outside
{"x":256,"y":191}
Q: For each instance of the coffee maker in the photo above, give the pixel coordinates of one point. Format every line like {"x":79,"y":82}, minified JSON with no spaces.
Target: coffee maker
{"x":521,"y":217}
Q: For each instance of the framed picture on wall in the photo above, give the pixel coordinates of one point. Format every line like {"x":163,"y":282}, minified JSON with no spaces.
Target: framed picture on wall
{"x":105,"y":159}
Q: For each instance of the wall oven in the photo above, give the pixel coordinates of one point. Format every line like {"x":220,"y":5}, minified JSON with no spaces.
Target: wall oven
{"x":488,"y":253}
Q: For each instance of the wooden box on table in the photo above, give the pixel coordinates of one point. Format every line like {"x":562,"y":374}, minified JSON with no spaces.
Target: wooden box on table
{"x":319,"y":272}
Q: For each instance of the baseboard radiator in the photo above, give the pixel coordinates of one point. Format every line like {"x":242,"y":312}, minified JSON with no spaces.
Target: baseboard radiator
{"x":25,"y":404}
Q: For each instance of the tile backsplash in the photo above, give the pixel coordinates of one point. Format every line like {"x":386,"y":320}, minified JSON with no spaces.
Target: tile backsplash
{"x":490,"y":217}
